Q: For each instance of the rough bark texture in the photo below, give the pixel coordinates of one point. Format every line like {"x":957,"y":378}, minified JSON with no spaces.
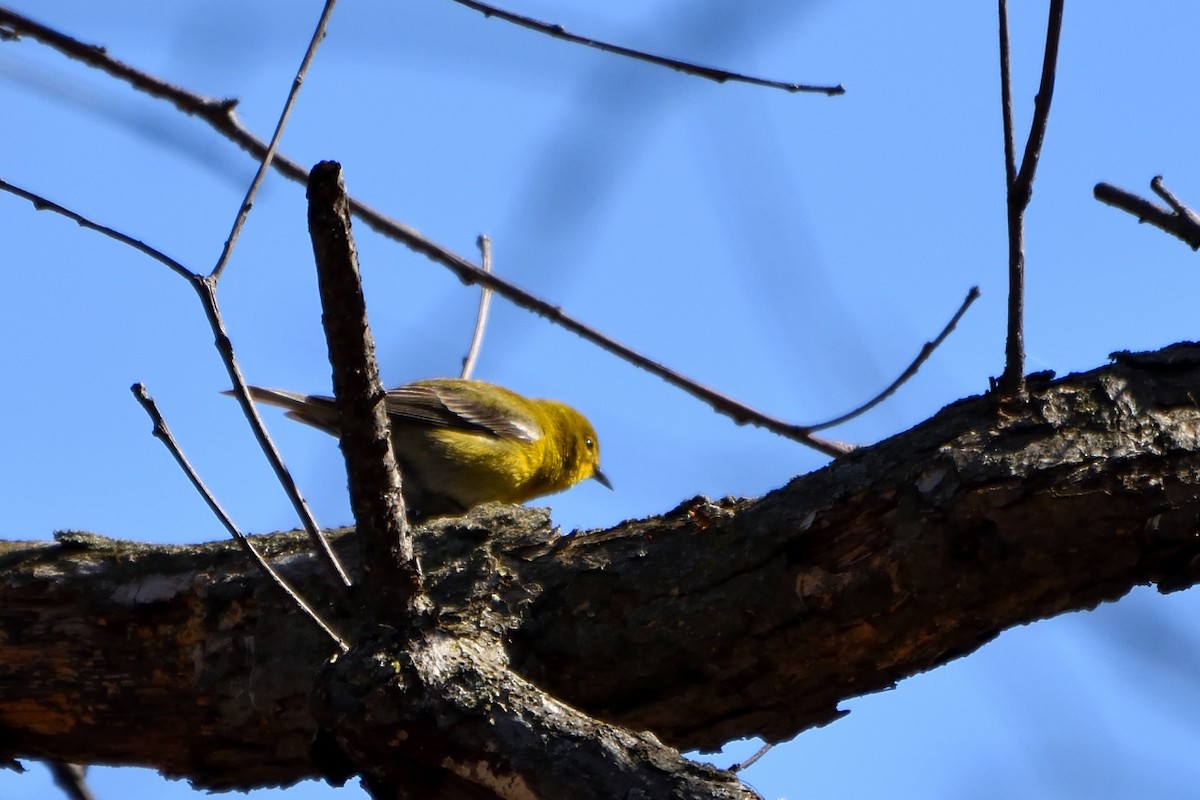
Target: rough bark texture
{"x":717,"y":620}
{"x":448,"y":699}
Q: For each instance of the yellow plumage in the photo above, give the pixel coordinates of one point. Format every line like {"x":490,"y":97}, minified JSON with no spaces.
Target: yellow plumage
{"x":460,"y":442}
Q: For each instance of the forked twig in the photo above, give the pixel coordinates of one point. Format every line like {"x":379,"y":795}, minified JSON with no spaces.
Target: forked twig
{"x":712,"y":74}
{"x":481,"y":316}
{"x":163,"y":434}
{"x":1019,"y":184}
{"x":1177,"y":220}
{"x":926,"y":351}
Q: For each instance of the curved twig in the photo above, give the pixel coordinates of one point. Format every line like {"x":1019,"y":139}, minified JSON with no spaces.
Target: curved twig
{"x":710,"y":73}
{"x":481,"y":316}
{"x":926,"y":351}
{"x":42,"y":204}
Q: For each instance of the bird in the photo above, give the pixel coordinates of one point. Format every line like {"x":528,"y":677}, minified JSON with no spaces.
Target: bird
{"x":462,"y":442}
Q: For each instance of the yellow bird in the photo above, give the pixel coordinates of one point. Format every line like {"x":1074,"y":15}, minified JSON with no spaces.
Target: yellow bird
{"x":461,"y":442}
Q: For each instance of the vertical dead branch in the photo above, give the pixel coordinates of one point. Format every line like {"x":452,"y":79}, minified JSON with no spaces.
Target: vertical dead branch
{"x":393,"y":576}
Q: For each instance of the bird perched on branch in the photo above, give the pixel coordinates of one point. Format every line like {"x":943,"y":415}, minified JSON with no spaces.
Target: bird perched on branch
{"x":462,"y":442}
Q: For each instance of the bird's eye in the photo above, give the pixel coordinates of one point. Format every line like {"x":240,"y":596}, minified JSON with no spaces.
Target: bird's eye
{"x":590,"y":444}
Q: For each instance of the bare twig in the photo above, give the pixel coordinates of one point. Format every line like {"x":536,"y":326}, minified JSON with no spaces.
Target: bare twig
{"x":718,"y":75}
{"x":163,"y":434}
{"x":393,"y":576}
{"x":926,"y":351}
{"x":1178,"y":220}
{"x":1041,"y":103}
{"x":1157,"y":186}
{"x":1019,"y":183}
{"x":206,"y":288}
{"x":42,"y":204}
{"x":485,"y":303}
{"x":219,"y":114}
{"x":762,"y":751}
{"x":269,"y":156}
{"x":71,"y":778}
{"x":1010,"y":147}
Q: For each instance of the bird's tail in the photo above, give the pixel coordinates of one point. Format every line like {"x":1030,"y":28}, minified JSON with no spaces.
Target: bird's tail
{"x":311,"y":409}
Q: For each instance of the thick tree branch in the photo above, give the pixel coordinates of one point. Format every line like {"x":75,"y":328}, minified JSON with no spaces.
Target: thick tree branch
{"x":714,"y":621}
{"x":450,"y":699}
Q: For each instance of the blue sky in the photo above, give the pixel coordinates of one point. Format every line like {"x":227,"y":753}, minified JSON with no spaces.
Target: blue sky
{"x":794,"y":251}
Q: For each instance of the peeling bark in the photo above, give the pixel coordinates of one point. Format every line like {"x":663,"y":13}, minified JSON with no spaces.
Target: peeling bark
{"x":714,"y":621}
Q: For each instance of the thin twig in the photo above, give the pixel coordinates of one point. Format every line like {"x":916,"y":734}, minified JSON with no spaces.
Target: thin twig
{"x":1041,"y":103}
{"x":762,"y":751}
{"x":485,"y":303}
{"x":163,"y":434}
{"x":206,"y":288}
{"x":1010,"y":147}
{"x":926,"y":351}
{"x":1178,"y":220}
{"x":1019,"y":185}
{"x":1012,"y":381}
{"x":42,"y":204}
{"x":712,"y":74}
{"x":221,"y":116}
{"x":269,"y":156}
{"x":1159,"y":188}
{"x":72,"y":779}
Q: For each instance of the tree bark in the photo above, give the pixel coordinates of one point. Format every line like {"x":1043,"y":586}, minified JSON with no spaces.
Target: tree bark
{"x":719,"y":619}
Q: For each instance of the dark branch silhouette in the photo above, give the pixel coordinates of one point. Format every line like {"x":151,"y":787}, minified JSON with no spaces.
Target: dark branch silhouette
{"x":269,"y":156}
{"x":1019,"y":185}
{"x":712,"y":74}
{"x":1177,"y":219}
{"x":393,"y":590}
{"x":923,"y":356}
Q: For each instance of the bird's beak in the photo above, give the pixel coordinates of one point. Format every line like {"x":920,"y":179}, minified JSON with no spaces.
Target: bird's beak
{"x":602,"y":478}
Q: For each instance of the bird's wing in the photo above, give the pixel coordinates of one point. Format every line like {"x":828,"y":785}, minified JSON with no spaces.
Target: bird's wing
{"x":457,"y":405}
